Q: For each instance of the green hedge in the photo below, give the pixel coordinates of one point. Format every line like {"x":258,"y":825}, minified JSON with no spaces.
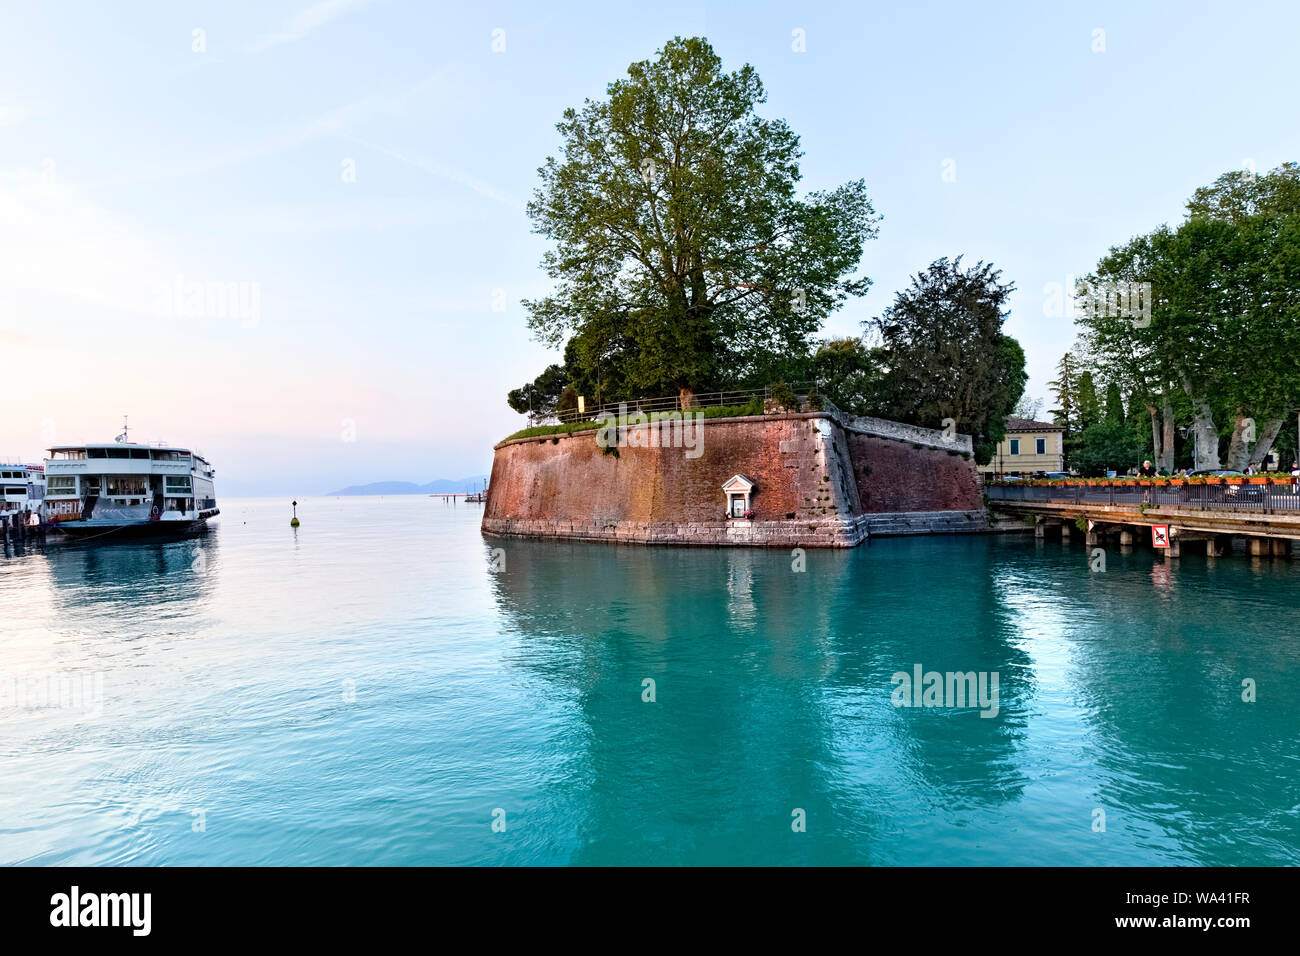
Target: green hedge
{"x":537,"y":431}
{"x":753,"y":407}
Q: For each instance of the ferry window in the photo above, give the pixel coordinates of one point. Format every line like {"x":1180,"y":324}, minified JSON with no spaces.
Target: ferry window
{"x":1041,"y":448}
{"x":63,"y":485}
{"x":119,"y":453}
{"x":1015,"y":446}
{"x":179,"y":485}
{"x":121,"y":485}
{"x":139,"y":452}
{"x":16,"y":491}
{"x":96,"y":453}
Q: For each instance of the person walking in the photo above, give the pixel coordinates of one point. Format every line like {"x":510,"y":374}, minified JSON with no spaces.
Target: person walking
{"x":1146,"y":471}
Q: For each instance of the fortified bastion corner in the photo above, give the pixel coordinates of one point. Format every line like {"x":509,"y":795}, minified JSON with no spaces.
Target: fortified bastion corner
{"x":803,"y":479}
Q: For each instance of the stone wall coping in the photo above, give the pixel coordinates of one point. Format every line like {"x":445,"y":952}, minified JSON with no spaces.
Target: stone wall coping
{"x":784,"y":416}
{"x":863,"y":424}
{"x":884,"y":428}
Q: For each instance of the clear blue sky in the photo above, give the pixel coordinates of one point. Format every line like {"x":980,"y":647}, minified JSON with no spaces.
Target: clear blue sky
{"x":128,"y":158}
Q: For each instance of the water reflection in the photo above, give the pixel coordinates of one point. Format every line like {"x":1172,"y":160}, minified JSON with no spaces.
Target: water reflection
{"x":146,"y":572}
{"x":772,"y":692}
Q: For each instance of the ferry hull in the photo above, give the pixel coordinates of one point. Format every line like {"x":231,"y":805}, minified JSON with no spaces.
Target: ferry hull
{"x":85,"y":531}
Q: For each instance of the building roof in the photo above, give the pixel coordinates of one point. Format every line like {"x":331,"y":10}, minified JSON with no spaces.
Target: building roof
{"x":1015,"y":424}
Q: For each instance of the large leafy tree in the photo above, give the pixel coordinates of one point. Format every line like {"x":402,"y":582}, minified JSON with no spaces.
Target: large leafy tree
{"x":1107,"y":445}
{"x":683,"y":257}
{"x":1225,"y":318}
{"x":850,"y":373}
{"x":539,"y":398}
{"x":947,"y":355}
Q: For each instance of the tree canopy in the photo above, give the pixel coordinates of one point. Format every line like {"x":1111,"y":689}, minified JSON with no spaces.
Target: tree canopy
{"x":1224,"y":323}
{"x":947,"y":355}
{"x":684,"y":258}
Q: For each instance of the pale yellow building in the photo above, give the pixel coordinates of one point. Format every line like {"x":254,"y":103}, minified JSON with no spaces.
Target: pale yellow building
{"x":1029,"y":447}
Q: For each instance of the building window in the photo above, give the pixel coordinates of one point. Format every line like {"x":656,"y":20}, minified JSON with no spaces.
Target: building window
{"x":1040,"y":446}
{"x":1015,"y":446}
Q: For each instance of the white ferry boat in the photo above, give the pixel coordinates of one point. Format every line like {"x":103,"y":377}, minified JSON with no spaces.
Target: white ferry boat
{"x":22,"y":489}
{"x":127,"y":490}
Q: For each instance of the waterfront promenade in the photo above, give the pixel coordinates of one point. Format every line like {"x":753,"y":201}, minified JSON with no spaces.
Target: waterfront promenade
{"x":1266,"y":516}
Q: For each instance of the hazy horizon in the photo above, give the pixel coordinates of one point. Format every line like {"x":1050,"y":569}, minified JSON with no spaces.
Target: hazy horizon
{"x":293,"y":234}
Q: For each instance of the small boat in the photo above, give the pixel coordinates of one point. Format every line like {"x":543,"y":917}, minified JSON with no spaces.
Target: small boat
{"x":125,"y":489}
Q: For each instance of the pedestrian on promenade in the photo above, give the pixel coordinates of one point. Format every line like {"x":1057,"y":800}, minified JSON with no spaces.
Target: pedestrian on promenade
{"x":1146,"y":471}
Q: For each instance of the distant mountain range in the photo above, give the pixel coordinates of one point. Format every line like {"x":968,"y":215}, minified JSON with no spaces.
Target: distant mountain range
{"x":440,"y":486}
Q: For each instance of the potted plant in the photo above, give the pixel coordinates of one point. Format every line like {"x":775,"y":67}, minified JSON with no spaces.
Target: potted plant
{"x":1257,"y":480}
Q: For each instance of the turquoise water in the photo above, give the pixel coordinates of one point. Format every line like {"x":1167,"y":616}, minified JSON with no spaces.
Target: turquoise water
{"x":369,"y":690}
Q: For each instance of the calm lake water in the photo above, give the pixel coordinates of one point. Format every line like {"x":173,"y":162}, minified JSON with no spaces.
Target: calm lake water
{"x":369,"y":690}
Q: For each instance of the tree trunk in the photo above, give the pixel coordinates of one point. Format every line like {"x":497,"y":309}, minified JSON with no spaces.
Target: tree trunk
{"x":1238,"y":449}
{"x":1272,"y":428}
{"x":685,"y":398}
{"x":1206,"y":435}
{"x":1157,"y":433}
{"x":1165,"y":459}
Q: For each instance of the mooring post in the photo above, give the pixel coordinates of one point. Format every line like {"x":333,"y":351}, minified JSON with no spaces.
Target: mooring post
{"x":1040,"y":526}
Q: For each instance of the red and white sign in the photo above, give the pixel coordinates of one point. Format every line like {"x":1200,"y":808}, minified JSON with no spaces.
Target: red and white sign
{"x":1160,"y":536}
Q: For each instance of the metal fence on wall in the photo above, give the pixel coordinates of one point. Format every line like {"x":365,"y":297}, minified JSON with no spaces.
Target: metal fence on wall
{"x":1263,"y":498}
{"x":697,"y":401}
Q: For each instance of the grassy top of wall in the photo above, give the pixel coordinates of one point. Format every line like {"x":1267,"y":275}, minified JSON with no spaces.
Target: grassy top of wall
{"x":754,"y":407}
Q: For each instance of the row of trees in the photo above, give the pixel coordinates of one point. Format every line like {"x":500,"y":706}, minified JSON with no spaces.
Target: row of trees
{"x":1209,"y":368}
{"x":1099,"y":434}
{"x":685,"y":260}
